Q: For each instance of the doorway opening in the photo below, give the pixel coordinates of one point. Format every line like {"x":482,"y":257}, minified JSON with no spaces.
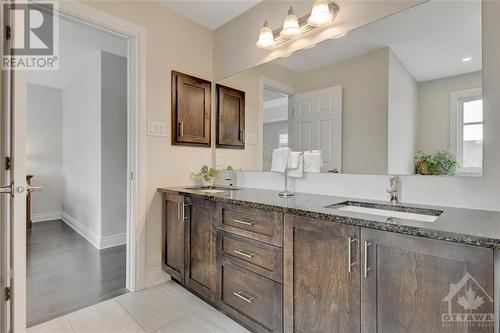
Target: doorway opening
{"x":77,"y":150}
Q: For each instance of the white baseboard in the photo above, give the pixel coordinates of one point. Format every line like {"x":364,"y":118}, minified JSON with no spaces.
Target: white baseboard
{"x":83,"y":230}
{"x":111,"y":241}
{"x":155,"y":277}
{"x":49,"y":216}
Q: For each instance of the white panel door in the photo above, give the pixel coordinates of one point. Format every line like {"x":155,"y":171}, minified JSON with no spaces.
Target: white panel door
{"x":317,"y":124}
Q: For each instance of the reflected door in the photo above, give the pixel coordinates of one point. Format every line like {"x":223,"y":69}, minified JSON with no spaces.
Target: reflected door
{"x":317,"y":125}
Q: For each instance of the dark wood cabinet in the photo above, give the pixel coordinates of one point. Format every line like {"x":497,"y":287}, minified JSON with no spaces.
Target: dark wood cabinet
{"x":321,"y":279}
{"x":201,"y":250}
{"x":410,"y":283}
{"x":250,"y":298}
{"x":191,"y":110}
{"x":230,"y":122}
{"x":175,"y":215}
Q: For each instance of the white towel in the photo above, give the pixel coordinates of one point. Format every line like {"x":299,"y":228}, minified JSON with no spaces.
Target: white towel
{"x":313,"y":161}
{"x":293,"y":160}
{"x":299,"y":170}
{"x":280,"y":160}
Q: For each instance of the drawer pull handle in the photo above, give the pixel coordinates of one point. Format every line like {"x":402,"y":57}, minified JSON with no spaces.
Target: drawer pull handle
{"x":246,"y":299}
{"x":243,"y":222}
{"x":244,"y":254}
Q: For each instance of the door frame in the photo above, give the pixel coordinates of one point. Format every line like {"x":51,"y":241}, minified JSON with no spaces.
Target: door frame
{"x":136,"y":114}
{"x":290,"y":91}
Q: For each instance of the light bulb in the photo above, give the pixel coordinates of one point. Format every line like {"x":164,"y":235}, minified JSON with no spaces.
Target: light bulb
{"x":266,"y":37}
{"x":320,"y":14}
{"x":291,"y":25}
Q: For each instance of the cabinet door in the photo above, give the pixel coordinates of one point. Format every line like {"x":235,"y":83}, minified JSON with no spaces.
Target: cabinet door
{"x":191,"y":107}
{"x":230,"y":117}
{"x":173,"y":254}
{"x":416,"y":285}
{"x":321,"y":277}
{"x":201,"y":249}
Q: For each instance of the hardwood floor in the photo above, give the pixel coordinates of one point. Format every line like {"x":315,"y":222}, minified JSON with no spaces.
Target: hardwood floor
{"x":66,"y":273}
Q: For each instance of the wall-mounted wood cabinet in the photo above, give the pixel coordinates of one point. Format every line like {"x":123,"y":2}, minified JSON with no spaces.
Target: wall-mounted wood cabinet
{"x":230,"y":127}
{"x":191,"y":110}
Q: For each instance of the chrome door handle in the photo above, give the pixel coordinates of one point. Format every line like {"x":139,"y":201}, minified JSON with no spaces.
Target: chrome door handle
{"x":33,"y":188}
{"x":366,"y":268}
{"x":244,"y":254}
{"x":243,"y":222}
{"x":246,"y":299}
{"x":349,"y":254}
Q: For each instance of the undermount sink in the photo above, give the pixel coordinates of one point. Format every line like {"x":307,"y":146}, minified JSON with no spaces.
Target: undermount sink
{"x":390,"y":211}
{"x":213,"y":189}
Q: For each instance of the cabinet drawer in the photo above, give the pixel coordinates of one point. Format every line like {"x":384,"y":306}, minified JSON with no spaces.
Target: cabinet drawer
{"x":250,"y":298}
{"x":258,"y":257}
{"x":262,"y":225}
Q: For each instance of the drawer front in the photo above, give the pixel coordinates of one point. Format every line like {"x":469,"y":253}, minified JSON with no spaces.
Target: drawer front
{"x":258,"y":257}
{"x":253,"y":300}
{"x":261,"y":225}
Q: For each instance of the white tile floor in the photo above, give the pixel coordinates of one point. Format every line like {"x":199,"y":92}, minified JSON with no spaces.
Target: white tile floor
{"x":167,"y":308}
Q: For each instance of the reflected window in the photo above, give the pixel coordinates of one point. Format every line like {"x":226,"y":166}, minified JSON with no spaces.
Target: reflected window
{"x":282,"y":140}
{"x":469,"y":132}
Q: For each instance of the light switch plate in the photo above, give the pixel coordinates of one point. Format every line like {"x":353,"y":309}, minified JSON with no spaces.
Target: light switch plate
{"x":157,"y":128}
{"x":251,"y":138}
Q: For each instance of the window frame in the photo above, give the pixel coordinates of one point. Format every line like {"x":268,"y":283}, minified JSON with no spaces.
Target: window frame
{"x":458,"y":98}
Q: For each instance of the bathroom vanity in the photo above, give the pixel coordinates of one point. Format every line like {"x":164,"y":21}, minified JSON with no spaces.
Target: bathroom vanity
{"x":309,"y":264}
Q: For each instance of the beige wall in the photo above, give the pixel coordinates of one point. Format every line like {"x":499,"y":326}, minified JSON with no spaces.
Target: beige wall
{"x":402,"y":119}
{"x":434,"y":109}
{"x":234,"y":42}
{"x":172,"y":42}
{"x":364,"y":81}
{"x":249,"y":81}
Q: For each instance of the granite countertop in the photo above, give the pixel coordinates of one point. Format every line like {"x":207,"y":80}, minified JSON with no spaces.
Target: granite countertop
{"x":464,"y":226}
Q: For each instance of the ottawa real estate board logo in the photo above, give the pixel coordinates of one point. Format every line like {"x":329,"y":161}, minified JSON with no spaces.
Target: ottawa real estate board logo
{"x":468,"y":305}
{"x":32,"y":33}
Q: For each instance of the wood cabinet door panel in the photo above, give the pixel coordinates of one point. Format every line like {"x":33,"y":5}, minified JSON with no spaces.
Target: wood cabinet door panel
{"x":201,"y":249}
{"x":173,"y":231}
{"x":230,"y":128}
{"x":320,"y":293}
{"x":408,"y":280}
{"x":191,"y":108}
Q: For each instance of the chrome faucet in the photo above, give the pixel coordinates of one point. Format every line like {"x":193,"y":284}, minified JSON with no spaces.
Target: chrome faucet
{"x":394,"y":189}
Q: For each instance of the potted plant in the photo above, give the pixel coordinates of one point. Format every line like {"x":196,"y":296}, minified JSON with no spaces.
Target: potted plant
{"x":440,"y":163}
{"x":207,"y":175}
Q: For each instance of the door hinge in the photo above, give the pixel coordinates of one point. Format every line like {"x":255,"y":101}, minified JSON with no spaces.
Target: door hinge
{"x":8,"y":293}
{"x":7,"y":163}
{"x":8,"y":33}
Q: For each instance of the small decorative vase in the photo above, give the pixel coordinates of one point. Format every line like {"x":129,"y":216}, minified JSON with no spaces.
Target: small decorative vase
{"x":208,"y":183}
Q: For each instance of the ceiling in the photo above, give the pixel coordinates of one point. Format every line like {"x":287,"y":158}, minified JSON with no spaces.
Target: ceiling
{"x":209,"y":13}
{"x":77,"y":42}
{"x":430,"y":40}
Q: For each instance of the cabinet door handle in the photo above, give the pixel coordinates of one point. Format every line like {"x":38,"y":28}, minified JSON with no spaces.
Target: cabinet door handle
{"x":366,"y":268}
{"x":178,"y":210}
{"x":243,"y":222}
{"x":244,"y":254}
{"x":181,"y":128}
{"x":349,"y":253}
{"x":246,"y":299}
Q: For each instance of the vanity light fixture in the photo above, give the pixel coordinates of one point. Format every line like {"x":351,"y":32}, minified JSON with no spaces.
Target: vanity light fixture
{"x":322,"y":14}
{"x":291,"y":25}
{"x":266,"y":37}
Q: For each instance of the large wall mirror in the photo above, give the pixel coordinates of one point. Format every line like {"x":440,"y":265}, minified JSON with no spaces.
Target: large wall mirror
{"x":401,"y":95}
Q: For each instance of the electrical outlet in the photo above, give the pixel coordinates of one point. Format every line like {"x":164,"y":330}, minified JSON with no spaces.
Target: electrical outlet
{"x":157,"y":128}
